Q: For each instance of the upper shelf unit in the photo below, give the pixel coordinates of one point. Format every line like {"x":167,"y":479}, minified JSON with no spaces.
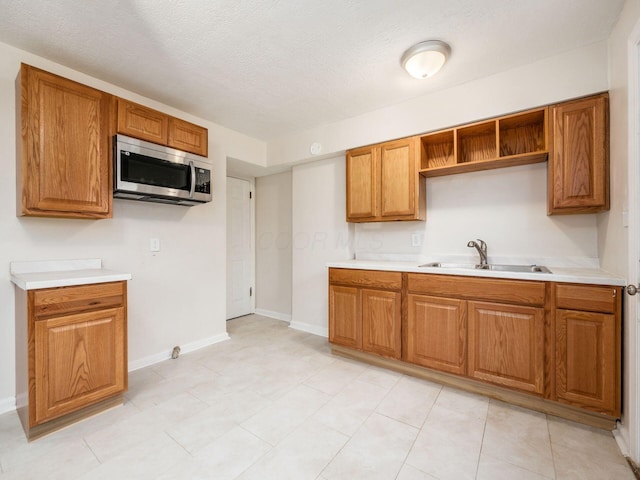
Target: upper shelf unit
{"x":511,"y":140}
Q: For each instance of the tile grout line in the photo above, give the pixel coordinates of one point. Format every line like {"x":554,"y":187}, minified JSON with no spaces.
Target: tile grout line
{"x":345,"y":443}
{"x":271,"y":447}
{"x":404,"y":462}
{"x":553,"y":457}
{"x":484,"y":430}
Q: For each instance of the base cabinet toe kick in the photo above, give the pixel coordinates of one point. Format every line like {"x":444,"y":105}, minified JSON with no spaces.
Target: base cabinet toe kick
{"x":553,"y":347}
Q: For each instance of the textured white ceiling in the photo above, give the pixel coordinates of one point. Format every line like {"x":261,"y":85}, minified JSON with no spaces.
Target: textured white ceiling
{"x":270,"y":67}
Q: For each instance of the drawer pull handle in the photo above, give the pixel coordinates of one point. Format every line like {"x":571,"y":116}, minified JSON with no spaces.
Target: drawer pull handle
{"x":95,"y":302}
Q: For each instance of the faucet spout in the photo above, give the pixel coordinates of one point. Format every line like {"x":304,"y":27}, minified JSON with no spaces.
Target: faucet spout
{"x":481,"y":247}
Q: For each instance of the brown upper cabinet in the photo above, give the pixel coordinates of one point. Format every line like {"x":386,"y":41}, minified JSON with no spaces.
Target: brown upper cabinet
{"x":573,"y":136}
{"x":579,"y":156}
{"x":506,"y":141}
{"x":148,"y":124}
{"x":64,"y":164}
{"x":142,"y":122}
{"x":383,"y":182}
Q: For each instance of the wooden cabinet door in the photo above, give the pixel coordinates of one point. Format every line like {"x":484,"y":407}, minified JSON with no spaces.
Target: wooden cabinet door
{"x":66,"y":148}
{"x":79,"y":359}
{"x":381,"y":322}
{"x":437,"y":333}
{"x":142,"y":122}
{"x":398,"y":178}
{"x":586,"y":360}
{"x":345,"y":316}
{"x":188,"y":137}
{"x":362,"y":184}
{"x":578,"y":160}
{"x":506,"y":345}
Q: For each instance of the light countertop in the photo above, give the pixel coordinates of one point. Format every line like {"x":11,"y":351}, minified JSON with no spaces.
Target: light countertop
{"x":593,"y":276}
{"x":62,"y":273}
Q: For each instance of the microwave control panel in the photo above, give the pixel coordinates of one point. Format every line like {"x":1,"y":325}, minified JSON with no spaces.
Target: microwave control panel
{"x":203,"y":180}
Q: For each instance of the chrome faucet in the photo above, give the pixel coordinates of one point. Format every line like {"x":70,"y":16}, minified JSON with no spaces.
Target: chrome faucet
{"x":481,"y":247}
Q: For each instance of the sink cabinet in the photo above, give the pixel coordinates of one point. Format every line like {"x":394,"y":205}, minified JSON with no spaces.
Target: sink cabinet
{"x":545,"y":345}
{"x":500,"y":328}
{"x":506,"y":345}
{"x":71,"y":353}
{"x":437,"y":333}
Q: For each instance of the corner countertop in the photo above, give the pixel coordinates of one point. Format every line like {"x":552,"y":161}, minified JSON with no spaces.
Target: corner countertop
{"x":594,"y":276}
{"x":62,"y":273}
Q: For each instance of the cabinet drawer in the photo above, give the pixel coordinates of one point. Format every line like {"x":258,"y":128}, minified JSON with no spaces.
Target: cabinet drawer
{"x":366,"y":278}
{"x":63,"y":300}
{"x":493,"y":289}
{"x":594,"y":298}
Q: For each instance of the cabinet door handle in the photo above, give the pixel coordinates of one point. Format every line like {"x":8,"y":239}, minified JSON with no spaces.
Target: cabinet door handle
{"x":631,"y":290}
{"x":192,"y":167}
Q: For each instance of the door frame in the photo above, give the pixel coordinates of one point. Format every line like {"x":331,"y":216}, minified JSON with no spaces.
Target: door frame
{"x":631,"y":412}
{"x":252,"y":240}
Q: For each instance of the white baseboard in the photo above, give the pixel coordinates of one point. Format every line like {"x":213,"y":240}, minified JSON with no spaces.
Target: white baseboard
{"x":276,"y":315}
{"x":7,"y":405}
{"x":620,"y":436}
{"x":307,"y":327}
{"x":189,"y":347}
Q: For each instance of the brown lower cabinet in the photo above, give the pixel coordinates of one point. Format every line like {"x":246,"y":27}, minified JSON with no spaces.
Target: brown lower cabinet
{"x":365,"y":311}
{"x":555,"y":342}
{"x":71,"y":351}
{"x":506,"y":345}
{"x":437,"y":333}
{"x":587,"y":353}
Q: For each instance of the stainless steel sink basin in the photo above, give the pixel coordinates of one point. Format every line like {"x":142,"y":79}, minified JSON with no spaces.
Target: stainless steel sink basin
{"x":449,"y":265}
{"x":515,"y":268}
{"x":494,"y":267}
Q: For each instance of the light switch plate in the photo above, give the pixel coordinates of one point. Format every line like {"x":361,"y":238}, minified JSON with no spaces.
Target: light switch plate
{"x":154,"y":244}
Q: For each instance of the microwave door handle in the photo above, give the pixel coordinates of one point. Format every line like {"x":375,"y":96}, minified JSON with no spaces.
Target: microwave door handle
{"x":193,"y":179}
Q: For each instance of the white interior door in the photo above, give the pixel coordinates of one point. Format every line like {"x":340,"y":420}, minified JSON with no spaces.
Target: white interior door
{"x":631,"y":336}
{"x":239,"y":248}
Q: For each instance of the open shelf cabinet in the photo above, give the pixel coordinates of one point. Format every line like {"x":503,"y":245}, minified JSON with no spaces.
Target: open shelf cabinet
{"x":511,"y":140}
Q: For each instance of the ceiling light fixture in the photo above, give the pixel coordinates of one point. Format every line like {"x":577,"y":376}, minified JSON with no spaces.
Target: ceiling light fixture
{"x":425,"y":59}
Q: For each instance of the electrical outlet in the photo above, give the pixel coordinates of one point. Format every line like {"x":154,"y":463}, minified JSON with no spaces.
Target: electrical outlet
{"x":154,"y":244}
{"x":416,"y":239}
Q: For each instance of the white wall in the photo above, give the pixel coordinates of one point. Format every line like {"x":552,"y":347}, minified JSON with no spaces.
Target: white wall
{"x":506,"y":207}
{"x":191,"y":264}
{"x":273,"y":245}
{"x":320,"y":235}
{"x":571,"y":74}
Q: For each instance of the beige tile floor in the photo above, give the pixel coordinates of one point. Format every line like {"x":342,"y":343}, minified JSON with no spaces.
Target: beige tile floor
{"x":273,"y":403}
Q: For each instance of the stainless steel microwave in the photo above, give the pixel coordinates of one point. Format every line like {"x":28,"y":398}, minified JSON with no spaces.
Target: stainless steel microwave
{"x":148,"y":172}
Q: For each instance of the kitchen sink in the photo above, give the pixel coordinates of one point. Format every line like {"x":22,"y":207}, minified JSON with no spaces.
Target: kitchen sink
{"x":490,"y":266}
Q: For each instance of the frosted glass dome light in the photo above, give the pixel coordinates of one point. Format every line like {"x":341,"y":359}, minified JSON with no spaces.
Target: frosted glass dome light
{"x":425,"y":59}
